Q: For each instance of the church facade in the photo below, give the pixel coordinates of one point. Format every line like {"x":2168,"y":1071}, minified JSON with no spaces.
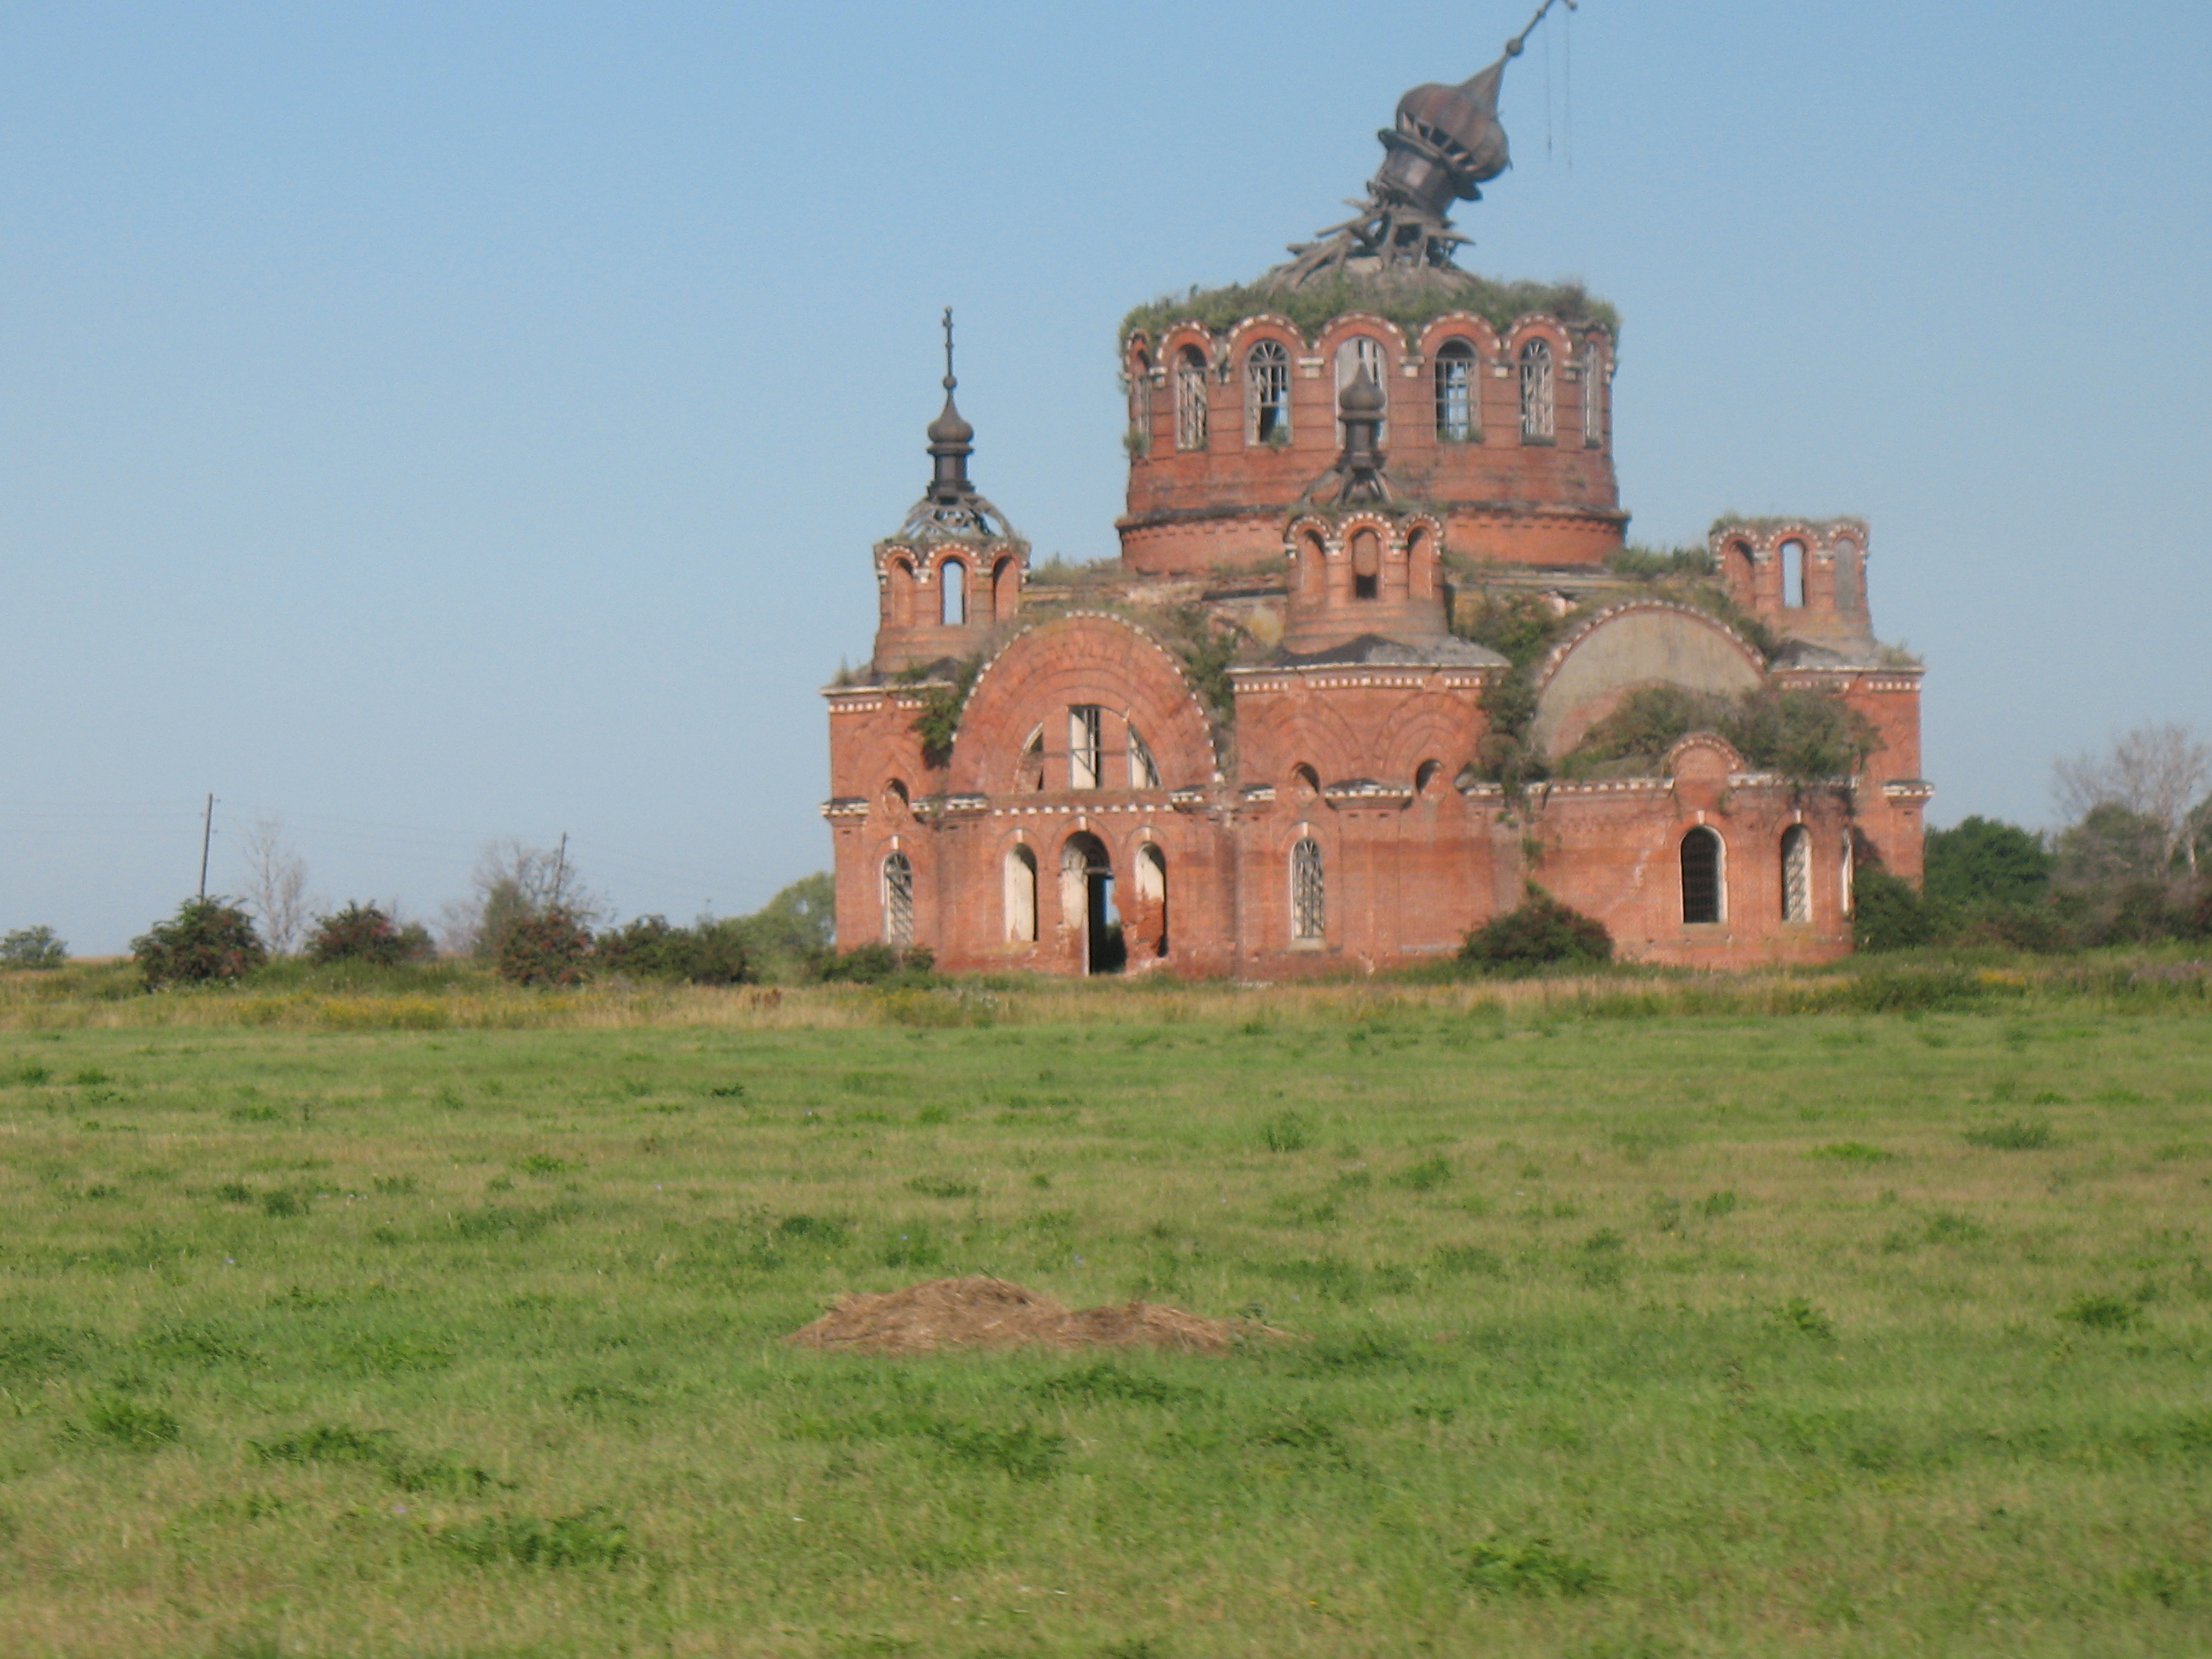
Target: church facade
{"x":1375,"y":658}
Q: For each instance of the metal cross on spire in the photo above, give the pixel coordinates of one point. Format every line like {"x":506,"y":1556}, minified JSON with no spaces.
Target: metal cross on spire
{"x":949,"y":381}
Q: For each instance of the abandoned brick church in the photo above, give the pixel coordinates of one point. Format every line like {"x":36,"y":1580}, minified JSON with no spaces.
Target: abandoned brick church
{"x":1375,"y":657}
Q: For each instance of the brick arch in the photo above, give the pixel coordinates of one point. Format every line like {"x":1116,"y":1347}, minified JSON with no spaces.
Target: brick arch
{"x":1643,"y":642}
{"x":1343,"y":326}
{"x":1316,"y":734}
{"x":1085,"y":657}
{"x":1445,"y":736}
{"x":1462,"y":326}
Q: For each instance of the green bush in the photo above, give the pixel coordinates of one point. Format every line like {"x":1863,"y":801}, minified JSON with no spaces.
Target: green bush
{"x":362,"y":933}
{"x":32,"y":947}
{"x":1541,"y":931}
{"x":551,"y":948}
{"x":871,"y":964}
{"x":1982,"y":861}
{"x":1889,"y":913}
{"x":208,"y":939}
{"x":708,"y":952}
{"x":1808,"y":736}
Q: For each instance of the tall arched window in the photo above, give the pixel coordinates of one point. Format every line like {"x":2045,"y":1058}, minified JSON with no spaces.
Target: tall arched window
{"x":1793,"y":573}
{"x":1309,"y":893}
{"x":1539,"y":397}
{"x":1593,"y":396}
{"x":1701,"y":875}
{"x":1366,"y":564}
{"x":1848,"y":593}
{"x":1021,"y":895}
{"x":1141,"y":401}
{"x":1741,"y":572}
{"x":1267,"y":394}
{"x":1358,"y":353}
{"x":898,"y":901}
{"x":1849,"y":875}
{"x":1148,"y":923}
{"x":952,"y":594}
{"x":1005,"y":589}
{"x":899,"y":579}
{"x":1797,"y":873}
{"x":1190,"y":399}
{"x":1459,"y":393}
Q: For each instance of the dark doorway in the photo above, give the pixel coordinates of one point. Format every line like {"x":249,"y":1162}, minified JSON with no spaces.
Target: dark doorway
{"x":1086,"y":870}
{"x":1701,"y":877}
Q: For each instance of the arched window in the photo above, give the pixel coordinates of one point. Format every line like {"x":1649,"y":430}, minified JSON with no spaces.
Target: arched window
{"x":1268,"y":395}
{"x":1539,"y":422}
{"x":1425,"y":774}
{"x":952,"y":595}
{"x":1849,"y":875}
{"x":1793,"y":573}
{"x":1358,"y":353}
{"x":1190,"y":399}
{"x":1086,"y":901}
{"x":1086,"y":732}
{"x":1021,"y":894}
{"x":1313,"y":568}
{"x":1459,"y":393}
{"x":1304,"y":780}
{"x":1739,"y":570}
{"x":1028,"y":771}
{"x":899,"y":579}
{"x":1005,"y":589}
{"x":1848,"y":597}
{"x":1797,"y":873}
{"x":1141,"y":401}
{"x":898,"y":901}
{"x":1309,"y":893}
{"x":1593,"y":396}
{"x":1366,"y":564}
{"x":1701,"y":875}
{"x":1145,"y":923}
{"x":1144,"y":771}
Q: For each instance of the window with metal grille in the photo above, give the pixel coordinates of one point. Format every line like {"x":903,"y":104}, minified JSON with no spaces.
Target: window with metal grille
{"x":1144,"y":772}
{"x":1459,"y":393}
{"x":1593,"y":396}
{"x":1701,"y":875}
{"x":1267,"y":394}
{"x":898,"y":901}
{"x":1538,"y":398}
{"x":1086,"y":732}
{"x":1797,"y":873}
{"x":1308,"y":891}
{"x":1358,"y":353}
{"x":1190,"y":399}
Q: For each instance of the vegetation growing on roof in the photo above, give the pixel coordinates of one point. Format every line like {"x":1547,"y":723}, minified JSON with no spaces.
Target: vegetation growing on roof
{"x":1309,"y":308}
{"x":1808,"y":736}
{"x":1652,"y":564}
{"x":1520,"y":627}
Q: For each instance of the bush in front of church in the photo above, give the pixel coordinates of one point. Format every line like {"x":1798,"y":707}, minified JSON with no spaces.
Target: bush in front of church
{"x":1540,"y":933}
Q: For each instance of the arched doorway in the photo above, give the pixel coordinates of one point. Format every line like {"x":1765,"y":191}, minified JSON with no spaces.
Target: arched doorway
{"x":1086,"y":903}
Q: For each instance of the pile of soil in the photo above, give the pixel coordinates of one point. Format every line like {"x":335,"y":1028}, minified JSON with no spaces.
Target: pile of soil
{"x":989,"y":1313}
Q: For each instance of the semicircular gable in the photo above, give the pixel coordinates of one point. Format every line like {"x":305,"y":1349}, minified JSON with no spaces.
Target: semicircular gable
{"x":1088,"y":657}
{"x":1646,"y":642}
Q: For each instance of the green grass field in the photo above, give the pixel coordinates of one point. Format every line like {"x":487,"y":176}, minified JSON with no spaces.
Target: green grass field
{"x":1647,"y":1334}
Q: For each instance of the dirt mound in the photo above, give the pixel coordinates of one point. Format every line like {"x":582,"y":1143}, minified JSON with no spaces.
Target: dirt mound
{"x":990,"y":1313}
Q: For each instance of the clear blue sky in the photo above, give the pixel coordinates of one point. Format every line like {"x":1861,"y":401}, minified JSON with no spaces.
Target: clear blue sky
{"x":431,"y":423}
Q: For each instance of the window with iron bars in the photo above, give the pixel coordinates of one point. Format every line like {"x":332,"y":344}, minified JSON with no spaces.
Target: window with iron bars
{"x":1086,"y":745}
{"x":1538,"y":424}
{"x":898,"y":901}
{"x":1309,"y":893}
{"x":1459,"y":393}
{"x":1267,"y":394}
{"x":1593,"y":396}
{"x":1190,"y":400}
{"x":1797,"y":873}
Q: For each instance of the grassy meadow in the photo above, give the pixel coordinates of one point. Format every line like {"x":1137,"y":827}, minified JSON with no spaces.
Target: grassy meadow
{"x":1633,"y":1325}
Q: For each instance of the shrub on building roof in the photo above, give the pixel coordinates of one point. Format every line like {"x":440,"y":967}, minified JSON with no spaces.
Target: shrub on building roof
{"x":1538,"y":933}
{"x":1806,"y":735}
{"x":1413,"y":308}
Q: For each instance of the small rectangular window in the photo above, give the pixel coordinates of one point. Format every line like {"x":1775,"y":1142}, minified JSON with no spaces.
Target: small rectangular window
{"x":1086,"y":730}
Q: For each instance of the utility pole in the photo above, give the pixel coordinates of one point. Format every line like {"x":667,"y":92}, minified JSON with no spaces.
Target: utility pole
{"x":559,"y":869}
{"x":207,"y":834}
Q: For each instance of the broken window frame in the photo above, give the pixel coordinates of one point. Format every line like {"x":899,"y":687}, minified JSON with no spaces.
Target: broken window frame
{"x":1266,"y":395}
{"x":1143,"y":770}
{"x":1086,"y":750}
{"x":1539,"y":394}
{"x":1190,"y":399}
{"x":1458,"y":374}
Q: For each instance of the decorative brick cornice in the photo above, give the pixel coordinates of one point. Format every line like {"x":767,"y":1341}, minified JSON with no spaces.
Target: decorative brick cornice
{"x":845,"y":807}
